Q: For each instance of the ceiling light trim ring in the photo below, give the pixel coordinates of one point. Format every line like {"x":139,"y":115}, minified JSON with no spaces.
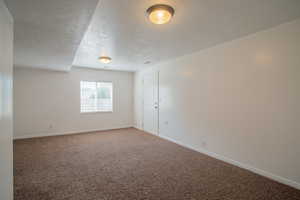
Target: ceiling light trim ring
{"x":105,"y":59}
{"x":160,"y":7}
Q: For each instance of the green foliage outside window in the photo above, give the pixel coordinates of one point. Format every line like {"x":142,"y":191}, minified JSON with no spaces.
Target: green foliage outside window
{"x":103,"y":93}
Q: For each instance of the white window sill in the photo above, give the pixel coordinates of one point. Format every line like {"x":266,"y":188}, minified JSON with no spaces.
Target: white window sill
{"x":96,"y":112}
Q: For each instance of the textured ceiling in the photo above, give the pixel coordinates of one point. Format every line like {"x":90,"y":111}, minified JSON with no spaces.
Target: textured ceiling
{"x":121,"y":30}
{"x":49,"y":32}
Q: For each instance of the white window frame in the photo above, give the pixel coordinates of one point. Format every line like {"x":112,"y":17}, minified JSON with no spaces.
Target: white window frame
{"x":112,"y":98}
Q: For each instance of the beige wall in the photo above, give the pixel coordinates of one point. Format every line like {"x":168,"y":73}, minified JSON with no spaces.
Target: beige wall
{"x":238,"y":101}
{"x":6,"y":105}
{"x":48,"y":102}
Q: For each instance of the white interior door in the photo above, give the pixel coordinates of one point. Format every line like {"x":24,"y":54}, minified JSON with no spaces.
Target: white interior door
{"x":151,"y":106}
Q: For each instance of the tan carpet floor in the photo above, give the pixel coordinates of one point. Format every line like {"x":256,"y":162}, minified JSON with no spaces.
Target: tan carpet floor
{"x":128,"y":164}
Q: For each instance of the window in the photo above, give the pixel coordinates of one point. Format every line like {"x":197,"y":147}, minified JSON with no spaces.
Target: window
{"x":96,"y":96}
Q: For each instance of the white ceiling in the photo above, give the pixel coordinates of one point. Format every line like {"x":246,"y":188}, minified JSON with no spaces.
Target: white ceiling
{"x":121,"y":30}
{"x":48,"y":32}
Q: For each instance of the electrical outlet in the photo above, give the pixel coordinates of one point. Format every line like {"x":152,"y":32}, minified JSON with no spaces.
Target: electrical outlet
{"x":203,"y":144}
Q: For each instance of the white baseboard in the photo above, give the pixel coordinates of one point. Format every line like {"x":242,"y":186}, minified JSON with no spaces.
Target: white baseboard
{"x":239,"y":164}
{"x":138,"y":128}
{"x":68,"y":133}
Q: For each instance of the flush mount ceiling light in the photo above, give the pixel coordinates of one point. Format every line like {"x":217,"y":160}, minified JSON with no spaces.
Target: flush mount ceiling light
{"x":105,"y":59}
{"x":160,"y":13}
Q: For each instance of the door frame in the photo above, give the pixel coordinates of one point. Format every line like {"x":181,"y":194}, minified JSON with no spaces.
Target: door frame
{"x":158,"y":100}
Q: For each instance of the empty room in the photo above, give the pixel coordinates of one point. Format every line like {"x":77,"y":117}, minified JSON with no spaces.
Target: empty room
{"x":149,"y":100}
